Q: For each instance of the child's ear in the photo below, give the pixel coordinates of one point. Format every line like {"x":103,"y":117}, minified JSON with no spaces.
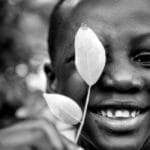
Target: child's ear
{"x":52,"y":81}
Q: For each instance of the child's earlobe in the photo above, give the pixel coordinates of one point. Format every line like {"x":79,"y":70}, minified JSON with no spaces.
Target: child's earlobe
{"x":52,"y":82}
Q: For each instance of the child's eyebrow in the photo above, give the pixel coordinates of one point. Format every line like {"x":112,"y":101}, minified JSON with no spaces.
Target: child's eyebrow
{"x":139,"y":39}
{"x":68,"y":52}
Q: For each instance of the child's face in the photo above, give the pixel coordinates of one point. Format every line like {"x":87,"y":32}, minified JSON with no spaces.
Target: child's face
{"x":123,"y":90}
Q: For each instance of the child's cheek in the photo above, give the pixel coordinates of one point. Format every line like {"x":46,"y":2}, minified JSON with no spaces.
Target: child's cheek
{"x":147,"y":83}
{"x":146,"y":78}
{"x":75,"y":88}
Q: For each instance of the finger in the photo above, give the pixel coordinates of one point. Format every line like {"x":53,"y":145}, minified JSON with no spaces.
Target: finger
{"x":25,"y":112}
{"x":28,"y":132}
{"x":70,"y":145}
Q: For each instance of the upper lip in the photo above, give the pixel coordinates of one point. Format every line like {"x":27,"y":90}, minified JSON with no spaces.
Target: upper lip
{"x":119,"y":104}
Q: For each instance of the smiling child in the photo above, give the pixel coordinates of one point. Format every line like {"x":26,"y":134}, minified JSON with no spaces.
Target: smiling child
{"x":118,"y":116}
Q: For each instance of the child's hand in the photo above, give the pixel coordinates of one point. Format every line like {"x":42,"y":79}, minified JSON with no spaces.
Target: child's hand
{"x":34,"y":134}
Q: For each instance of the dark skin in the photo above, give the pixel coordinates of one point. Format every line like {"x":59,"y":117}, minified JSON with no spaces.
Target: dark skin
{"x":34,"y":133}
{"x":123,"y":27}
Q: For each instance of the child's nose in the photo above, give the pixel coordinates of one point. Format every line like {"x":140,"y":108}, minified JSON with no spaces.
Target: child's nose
{"x":123,"y":79}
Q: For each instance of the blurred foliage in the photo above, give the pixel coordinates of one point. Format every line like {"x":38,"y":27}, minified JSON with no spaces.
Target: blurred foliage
{"x":23,"y":28}
{"x":12,"y":50}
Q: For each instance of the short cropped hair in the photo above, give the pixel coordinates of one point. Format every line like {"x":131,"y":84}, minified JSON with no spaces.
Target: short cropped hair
{"x":58,"y":16}
{"x":55,"y":20}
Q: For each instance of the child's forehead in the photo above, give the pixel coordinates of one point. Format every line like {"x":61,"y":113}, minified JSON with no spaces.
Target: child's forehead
{"x":102,"y":15}
{"x":110,"y":10}
{"x":105,"y":12}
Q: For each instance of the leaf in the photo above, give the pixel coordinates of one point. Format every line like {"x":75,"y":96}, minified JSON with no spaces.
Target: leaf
{"x":64,"y":108}
{"x":90,"y":55}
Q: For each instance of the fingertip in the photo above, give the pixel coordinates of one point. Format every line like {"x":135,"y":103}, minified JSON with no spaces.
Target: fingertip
{"x":80,"y":148}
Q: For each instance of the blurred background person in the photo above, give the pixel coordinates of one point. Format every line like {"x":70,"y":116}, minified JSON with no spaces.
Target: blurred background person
{"x":23,"y":36}
{"x":23,"y":51}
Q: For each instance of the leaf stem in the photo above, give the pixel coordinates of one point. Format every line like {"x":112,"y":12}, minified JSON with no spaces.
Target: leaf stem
{"x":89,"y":141}
{"x":84,"y":114}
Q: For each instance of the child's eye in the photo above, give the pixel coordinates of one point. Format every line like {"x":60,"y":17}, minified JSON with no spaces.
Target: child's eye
{"x":143,"y":59}
{"x":70,"y":59}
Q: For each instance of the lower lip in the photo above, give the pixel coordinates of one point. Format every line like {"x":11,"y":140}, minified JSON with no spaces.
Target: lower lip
{"x":120,"y":125}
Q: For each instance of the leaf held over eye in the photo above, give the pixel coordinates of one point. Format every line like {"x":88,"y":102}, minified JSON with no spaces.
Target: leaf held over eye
{"x":90,"y":55}
{"x":64,"y":108}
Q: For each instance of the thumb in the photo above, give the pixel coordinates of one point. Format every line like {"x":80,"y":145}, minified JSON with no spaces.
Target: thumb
{"x":70,"y":145}
{"x":30,"y":112}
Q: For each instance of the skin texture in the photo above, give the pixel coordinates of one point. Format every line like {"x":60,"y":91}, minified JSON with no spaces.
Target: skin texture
{"x":35,"y":132}
{"x":123,"y":26}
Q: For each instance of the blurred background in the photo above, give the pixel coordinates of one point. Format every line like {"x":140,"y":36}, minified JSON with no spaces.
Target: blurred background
{"x":23,"y":50}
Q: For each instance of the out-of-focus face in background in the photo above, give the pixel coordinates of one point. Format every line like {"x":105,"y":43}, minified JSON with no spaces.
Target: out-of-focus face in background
{"x":23,"y":50}
{"x":118,"y":117}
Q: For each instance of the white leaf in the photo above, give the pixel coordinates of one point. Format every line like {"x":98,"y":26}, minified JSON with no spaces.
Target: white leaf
{"x":90,"y":55}
{"x":64,"y":108}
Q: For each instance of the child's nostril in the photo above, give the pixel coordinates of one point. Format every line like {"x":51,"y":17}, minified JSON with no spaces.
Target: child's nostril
{"x":109,"y":84}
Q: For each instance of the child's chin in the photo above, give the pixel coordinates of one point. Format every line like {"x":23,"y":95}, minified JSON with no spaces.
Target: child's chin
{"x":109,"y":134}
{"x":120,"y":143}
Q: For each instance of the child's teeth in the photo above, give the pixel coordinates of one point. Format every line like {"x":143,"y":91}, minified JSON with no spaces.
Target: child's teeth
{"x":138,"y":112}
{"x":119,"y":113}
{"x":126,"y":113}
{"x":103,"y":113}
{"x":109,"y":113}
{"x":133,"y":114}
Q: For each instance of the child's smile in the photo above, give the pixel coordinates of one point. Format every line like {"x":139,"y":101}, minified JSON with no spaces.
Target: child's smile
{"x":118,"y":117}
